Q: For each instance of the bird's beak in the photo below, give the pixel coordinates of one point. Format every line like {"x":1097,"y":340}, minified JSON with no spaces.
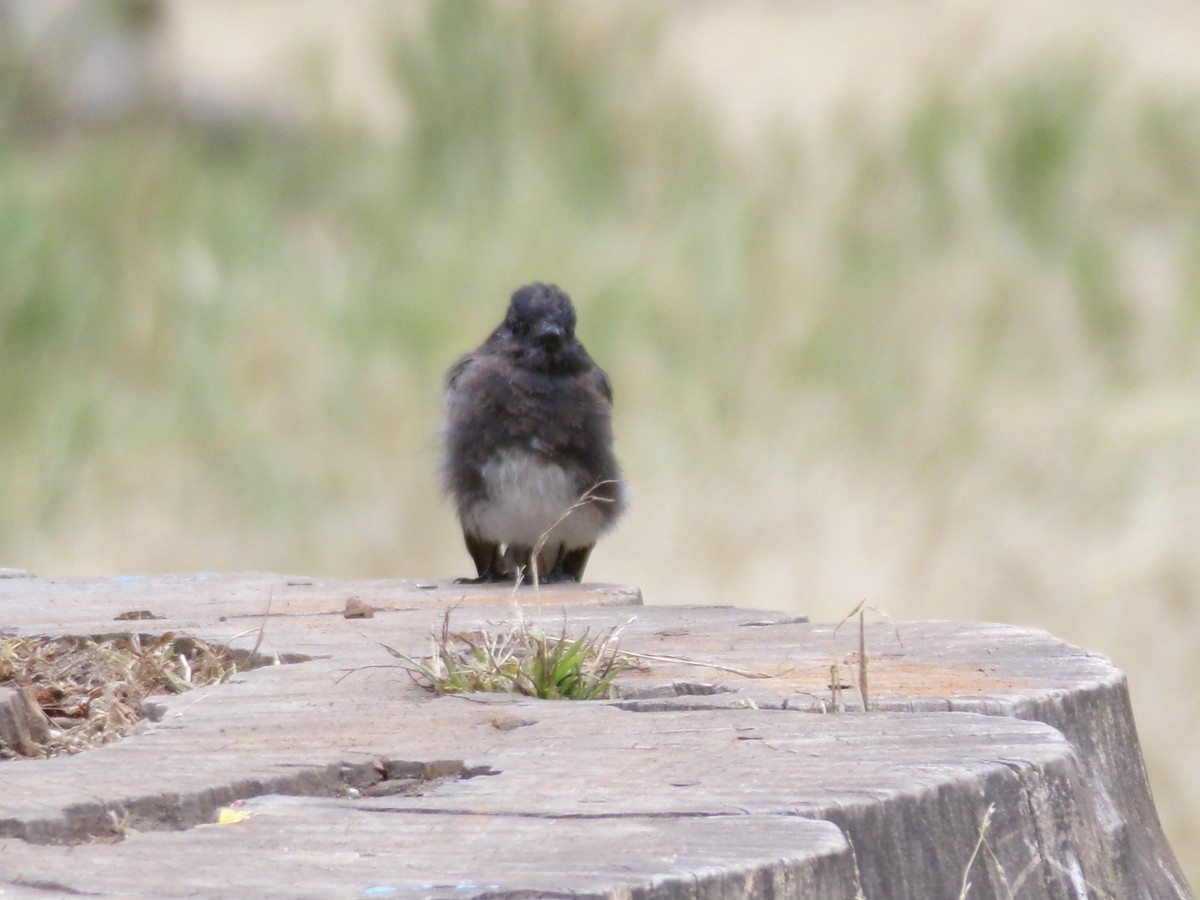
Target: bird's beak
{"x":549,"y":334}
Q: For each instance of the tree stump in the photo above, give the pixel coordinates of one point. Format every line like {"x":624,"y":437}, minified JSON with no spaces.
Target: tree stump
{"x":990,"y":761}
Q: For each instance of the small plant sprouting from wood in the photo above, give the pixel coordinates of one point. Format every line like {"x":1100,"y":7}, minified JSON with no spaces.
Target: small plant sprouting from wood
{"x":520,"y":659}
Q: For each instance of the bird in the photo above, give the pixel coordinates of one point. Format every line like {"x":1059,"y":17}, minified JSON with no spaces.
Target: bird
{"x":529,"y":458}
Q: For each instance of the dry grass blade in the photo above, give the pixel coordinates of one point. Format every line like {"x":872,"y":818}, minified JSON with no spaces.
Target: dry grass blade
{"x":689,"y":661}
{"x":862,"y":661}
{"x":835,"y":689}
{"x":262,"y":627}
{"x":588,"y":496}
{"x":979,"y":844}
{"x":861,"y":664}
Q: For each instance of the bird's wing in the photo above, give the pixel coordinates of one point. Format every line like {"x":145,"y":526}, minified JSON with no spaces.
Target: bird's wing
{"x":456,"y":372}
{"x":603,"y":384}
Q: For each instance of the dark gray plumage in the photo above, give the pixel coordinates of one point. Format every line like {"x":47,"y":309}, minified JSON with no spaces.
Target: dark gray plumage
{"x":529,"y":434}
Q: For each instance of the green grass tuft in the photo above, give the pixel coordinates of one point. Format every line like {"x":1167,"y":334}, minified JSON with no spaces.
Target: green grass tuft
{"x":520,"y":659}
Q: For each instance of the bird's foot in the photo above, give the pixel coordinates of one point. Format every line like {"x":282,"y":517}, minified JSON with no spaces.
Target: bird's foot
{"x":555,"y":576}
{"x":488,"y":577}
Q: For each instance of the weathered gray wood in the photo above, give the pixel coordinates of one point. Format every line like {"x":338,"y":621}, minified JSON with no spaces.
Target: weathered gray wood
{"x":698,"y":782}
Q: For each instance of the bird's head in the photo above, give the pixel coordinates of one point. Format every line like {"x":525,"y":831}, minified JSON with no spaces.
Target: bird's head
{"x":540,"y":327}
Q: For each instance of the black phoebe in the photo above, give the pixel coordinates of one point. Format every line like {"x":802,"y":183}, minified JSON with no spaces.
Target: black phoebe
{"x":529,"y":436}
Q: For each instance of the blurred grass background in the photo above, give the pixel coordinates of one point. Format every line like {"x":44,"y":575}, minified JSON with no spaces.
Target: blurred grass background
{"x":941,"y":354}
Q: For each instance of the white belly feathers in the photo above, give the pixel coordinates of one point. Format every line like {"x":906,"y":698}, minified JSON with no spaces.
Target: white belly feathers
{"x":526,"y":495}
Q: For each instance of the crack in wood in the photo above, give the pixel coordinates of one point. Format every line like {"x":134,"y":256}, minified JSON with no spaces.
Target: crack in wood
{"x":109,"y":822}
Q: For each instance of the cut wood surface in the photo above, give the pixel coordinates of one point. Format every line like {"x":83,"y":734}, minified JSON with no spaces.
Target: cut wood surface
{"x":991,"y":761}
